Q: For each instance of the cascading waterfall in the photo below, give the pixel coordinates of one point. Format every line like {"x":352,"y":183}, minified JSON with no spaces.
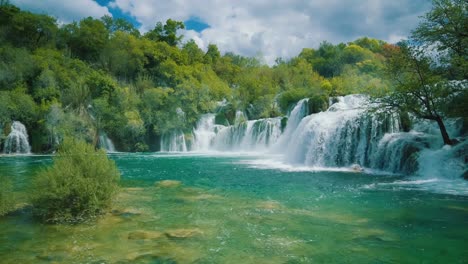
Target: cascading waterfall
{"x":344,"y":135}
{"x":205,"y":133}
{"x":173,"y":141}
{"x":106,"y":143}
{"x":17,"y":141}
{"x":253,"y":135}
{"x":299,"y":111}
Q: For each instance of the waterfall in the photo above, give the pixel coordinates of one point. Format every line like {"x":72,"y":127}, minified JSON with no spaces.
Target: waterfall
{"x":240,"y":118}
{"x":17,"y":141}
{"x":173,"y":141}
{"x":344,"y":135}
{"x":299,"y":111}
{"x":106,"y":143}
{"x":205,"y":132}
{"x":253,"y":135}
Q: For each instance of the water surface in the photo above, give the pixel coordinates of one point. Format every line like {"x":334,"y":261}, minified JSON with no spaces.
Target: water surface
{"x":238,"y":209}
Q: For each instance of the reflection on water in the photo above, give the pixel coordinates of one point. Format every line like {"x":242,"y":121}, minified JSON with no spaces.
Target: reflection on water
{"x":202,"y":209}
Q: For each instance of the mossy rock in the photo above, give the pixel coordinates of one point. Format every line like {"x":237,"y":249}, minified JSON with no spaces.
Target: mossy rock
{"x":226,"y":115}
{"x":144,"y":235}
{"x":152,"y":258}
{"x":464,"y":128}
{"x":284,"y":123}
{"x":183,"y":233}
{"x":168,"y":184}
{"x":220,"y":119}
{"x":317,"y":104}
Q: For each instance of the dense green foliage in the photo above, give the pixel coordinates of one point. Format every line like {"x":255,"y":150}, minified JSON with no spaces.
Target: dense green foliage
{"x":80,"y":184}
{"x":6,"y":195}
{"x":101,"y":76}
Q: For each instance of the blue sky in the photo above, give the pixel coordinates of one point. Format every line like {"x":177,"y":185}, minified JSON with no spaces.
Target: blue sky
{"x":272,"y":28}
{"x":119,"y":13}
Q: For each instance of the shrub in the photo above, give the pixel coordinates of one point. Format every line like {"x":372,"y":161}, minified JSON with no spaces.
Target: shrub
{"x":6,"y":195}
{"x":80,"y":184}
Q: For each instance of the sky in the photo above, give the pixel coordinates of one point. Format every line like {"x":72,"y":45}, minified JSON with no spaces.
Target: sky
{"x":266,"y":28}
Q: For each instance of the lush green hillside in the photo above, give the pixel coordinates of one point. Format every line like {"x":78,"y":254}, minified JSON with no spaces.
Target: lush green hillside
{"x":101,"y":75}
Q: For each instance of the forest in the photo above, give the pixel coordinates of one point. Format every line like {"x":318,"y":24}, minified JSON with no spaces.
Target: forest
{"x":103,"y":77}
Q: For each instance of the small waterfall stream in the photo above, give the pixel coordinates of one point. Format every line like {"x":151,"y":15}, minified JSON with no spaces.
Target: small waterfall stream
{"x":17,"y":141}
{"x":252,"y":135}
{"x":173,"y":141}
{"x":106,"y":143}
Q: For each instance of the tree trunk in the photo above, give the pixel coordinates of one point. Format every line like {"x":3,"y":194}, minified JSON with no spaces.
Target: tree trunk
{"x":443,"y":131}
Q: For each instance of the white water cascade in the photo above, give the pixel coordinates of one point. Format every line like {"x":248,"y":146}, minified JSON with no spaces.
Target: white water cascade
{"x":299,"y":111}
{"x":106,"y":143}
{"x":17,"y":141}
{"x":252,"y":135}
{"x":205,"y":132}
{"x":173,"y":141}
{"x":346,"y":134}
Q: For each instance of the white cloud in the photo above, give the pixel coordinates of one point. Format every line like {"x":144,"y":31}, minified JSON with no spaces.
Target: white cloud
{"x":275,"y":28}
{"x":64,"y":11}
{"x":282,"y":28}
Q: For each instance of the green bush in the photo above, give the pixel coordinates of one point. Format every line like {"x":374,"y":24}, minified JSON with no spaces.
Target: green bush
{"x":6,"y":195}
{"x":80,"y":184}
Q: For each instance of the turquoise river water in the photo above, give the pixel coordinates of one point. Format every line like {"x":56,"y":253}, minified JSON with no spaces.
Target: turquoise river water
{"x":243,"y":209}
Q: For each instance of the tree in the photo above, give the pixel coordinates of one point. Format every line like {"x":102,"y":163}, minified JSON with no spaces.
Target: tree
{"x":119,"y":24}
{"x":417,"y":87}
{"x":425,"y":81}
{"x":212,"y":54}
{"x":86,"y":39}
{"x":445,"y":27}
{"x":193,"y":52}
{"x":167,"y":32}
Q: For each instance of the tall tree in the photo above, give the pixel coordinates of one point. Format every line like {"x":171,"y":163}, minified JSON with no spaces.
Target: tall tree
{"x":445,"y":27}
{"x":86,"y":39}
{"x":417,"y":87}
{"x":166,"y":32}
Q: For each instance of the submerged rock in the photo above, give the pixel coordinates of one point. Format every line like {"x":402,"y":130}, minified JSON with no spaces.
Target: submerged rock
{"x":269,"y":205}
{"x":200,"y":197}
{"x":183,"y":233}
{"x":168,"y":184}
{"x":144,"y":235}
{"x":356,"y":168}
{"x":152,"y":258}
{"x":125,"y":213}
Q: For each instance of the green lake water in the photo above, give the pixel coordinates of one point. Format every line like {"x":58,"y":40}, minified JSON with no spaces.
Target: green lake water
{"x":226,"y":209}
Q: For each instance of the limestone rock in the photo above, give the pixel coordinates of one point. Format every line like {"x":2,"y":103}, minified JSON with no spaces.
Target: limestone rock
{"x":168,"y":184}
{"x":144,"y":235}
{"x":183,"y":233}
